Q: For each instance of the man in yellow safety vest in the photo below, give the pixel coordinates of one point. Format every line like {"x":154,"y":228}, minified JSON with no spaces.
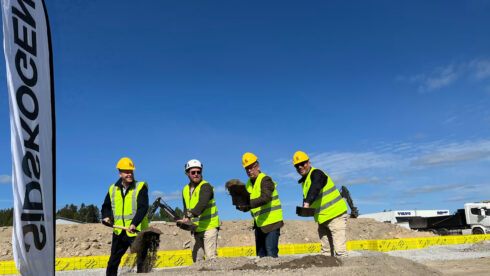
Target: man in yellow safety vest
{"x":200,"y":208}
{"x":264,"y":207}
{"x":319,"y":192}
{"x":127,"y":203}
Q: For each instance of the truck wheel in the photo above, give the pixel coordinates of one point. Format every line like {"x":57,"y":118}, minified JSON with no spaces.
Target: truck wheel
{"x":477,"y":231}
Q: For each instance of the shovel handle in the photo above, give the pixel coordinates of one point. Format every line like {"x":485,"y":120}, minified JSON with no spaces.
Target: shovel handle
{"x":118,"y":227}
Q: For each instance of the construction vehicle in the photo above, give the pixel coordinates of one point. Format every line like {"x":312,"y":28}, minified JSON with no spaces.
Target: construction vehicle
{"x":344,"y":192}
{"x":160,"y":203}
{"x":473,"y":219}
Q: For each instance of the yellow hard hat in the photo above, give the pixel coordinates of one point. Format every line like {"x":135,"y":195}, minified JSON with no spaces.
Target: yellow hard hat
{"x":299,"y":157}
{"x":248,"y":159}
{"x":125,"y":164}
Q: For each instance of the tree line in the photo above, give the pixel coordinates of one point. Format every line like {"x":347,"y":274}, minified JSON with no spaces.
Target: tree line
{"x":84,"y":213}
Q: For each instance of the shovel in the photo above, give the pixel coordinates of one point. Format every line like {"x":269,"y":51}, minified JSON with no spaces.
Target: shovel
{"x":118,"y":227}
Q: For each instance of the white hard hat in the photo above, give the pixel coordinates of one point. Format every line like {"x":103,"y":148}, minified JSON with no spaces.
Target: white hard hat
{"x":194,"y":163}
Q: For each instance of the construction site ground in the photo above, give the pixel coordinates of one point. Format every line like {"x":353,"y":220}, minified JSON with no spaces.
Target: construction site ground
{"x":95,"y":239}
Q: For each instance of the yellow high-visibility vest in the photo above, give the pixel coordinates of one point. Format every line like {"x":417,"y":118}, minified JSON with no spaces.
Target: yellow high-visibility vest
{"x":124,"y":209}
{"x":328,"y":203}
{"x":268,"y":213}
{"x":208,"y":219}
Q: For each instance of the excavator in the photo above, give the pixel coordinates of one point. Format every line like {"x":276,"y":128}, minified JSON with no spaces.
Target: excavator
{"x":160,"y":203}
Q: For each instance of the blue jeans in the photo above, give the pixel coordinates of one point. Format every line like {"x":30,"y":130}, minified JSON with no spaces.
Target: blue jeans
{"x":266,"y":244}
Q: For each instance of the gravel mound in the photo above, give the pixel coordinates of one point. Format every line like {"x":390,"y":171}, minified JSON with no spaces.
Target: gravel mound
{"x":374,"y":264}
{"x":243,"y":263}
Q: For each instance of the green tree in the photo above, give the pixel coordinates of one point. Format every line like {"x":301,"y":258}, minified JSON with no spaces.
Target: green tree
{"x":163,"y":216}
{"x":89,"y":213}
{"x":7,"y":217}
{"x":85,"y":213}
{"x":69,"y":212}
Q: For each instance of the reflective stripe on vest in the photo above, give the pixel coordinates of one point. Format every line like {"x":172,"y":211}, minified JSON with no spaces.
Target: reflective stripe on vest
{"x":123,"y":216}
{"x":268,"y":213}
{"x":328,"y":203}
{"x":208,"y":219}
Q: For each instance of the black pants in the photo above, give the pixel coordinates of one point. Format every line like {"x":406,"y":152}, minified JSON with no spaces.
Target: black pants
{"x":120,"y":244}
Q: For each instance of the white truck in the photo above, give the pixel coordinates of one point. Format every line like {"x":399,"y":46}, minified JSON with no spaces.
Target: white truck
{"x":473,"y":219}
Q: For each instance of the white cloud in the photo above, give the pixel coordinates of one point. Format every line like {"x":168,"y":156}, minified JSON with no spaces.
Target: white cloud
{"x":430,"y":189}
{"x":454,"y":153}
{"x":175,"y":195}
{"x":405,"y":203}
{"x":440,"y":77}
{"x":360,"y":201}
{"x":367,"y":180}
{"x":5,"y":178}
{"x":480,"y":68}
{"x":375,"y":196}
{"x":460,"y":198}
{"x":352,"y":168}
{"x":344,"y":163}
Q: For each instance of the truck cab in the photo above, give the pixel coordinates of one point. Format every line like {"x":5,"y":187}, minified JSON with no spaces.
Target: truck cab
{"x":478,"y":217}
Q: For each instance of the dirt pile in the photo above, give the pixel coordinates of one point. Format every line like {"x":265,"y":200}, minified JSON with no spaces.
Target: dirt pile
{"x":379,"y":264}
{"x":243,"y":263}
{"x":95,"y":239}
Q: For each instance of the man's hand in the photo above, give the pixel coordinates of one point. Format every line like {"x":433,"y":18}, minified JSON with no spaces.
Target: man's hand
{"x":132,"y":227}
{"x":244,"y":208}
{"x":184,"y":220}
{"x":107,"y":220}
{"x":306,"y":205}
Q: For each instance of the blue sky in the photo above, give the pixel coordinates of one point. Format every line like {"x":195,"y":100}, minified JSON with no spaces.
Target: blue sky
{"x":390,"y":99}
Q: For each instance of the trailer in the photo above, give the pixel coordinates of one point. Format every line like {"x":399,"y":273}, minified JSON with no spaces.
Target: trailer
{"x":473,"y":219}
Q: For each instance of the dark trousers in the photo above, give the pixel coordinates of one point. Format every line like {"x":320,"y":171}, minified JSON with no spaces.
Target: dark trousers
{"x":266,"y":244}
{"x":120,"y":244}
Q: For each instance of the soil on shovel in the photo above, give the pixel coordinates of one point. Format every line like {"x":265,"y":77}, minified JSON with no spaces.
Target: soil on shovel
{"x":145,"y":247}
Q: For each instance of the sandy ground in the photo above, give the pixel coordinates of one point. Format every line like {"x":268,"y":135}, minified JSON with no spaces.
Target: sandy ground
{"x":480,"y":266}
{"x":358,"y":263}
{"x":95,"y":239}
{"x":378,"y":265}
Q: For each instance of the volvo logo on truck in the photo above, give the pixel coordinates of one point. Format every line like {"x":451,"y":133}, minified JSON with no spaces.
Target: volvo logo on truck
{"x":404,"y":213}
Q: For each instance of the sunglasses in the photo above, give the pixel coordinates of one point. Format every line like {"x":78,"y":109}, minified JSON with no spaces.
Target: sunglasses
{"x":195,"y":172}
{"x":302,"y":164}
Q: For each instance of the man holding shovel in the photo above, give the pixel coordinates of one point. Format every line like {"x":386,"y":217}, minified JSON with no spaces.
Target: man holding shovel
{"x":127,"y":202}
{"x":320,"y":193}
{"x":200,"y":209}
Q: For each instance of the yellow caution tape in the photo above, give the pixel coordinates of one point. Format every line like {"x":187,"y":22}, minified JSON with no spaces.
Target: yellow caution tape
{"x":184,"y":257}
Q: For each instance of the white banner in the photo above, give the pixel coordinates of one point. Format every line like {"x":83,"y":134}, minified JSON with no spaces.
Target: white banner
{"x":27,"y":46}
